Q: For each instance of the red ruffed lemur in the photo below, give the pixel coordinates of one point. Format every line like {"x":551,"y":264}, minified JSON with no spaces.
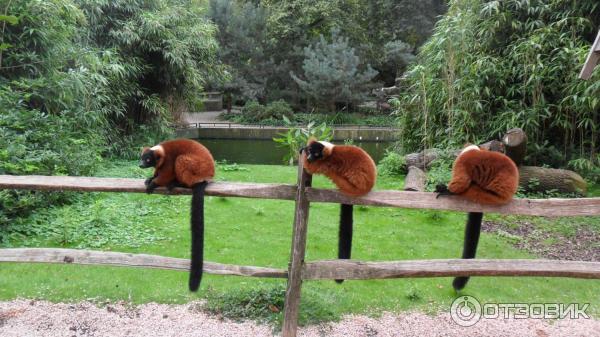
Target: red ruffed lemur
{"x":485,"y":177}
{"x":186,"y":163}
{"x":352,"y":170}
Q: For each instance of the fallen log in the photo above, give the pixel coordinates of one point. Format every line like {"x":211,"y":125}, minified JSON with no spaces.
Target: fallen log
{"x":415,"y":180}
{"x":423,"y":159}
{"x":540,"y":179}
{"x":532,"y":178}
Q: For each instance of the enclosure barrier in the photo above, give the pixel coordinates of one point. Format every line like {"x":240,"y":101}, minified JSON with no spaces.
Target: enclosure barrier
{"x":298,"y":269}
{"x":228,"y":125}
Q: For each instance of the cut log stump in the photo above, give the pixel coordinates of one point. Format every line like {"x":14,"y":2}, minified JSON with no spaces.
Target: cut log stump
{"x":515,"y":145}
{"x":415,"y":180}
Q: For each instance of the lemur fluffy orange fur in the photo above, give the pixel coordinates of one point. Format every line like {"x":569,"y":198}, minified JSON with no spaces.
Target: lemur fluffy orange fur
{"x":483,"y":176}
{"x":183,"y":160}
{"x":350,"y":168}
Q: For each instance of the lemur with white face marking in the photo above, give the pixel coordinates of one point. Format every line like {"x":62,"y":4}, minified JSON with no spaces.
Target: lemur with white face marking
{"x":352,"y":170}
{"x":183,"y":162}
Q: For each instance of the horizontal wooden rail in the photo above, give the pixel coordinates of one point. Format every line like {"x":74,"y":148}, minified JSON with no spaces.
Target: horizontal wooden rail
{"x":90,"y":257}
{"x":329,"y":269}
{"x":94,"y":184}
{"x":402,"y":199}
{"x":358,"y":270}
{"x":408,"y":199}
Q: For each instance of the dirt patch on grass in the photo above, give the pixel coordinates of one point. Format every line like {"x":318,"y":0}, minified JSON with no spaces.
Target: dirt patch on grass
{"x":584,"y":245}
{"x":40,"y":318}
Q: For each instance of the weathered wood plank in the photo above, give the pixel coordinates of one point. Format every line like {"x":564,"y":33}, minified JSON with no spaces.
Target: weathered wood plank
{"x":542,"y":207}
{"x":359,"y":270}
{"x":90,"y":257}
{"x":329,"y":269}
{"x":294,"y":285}
{"x":89,"y":184}
{"x":592,"y":60}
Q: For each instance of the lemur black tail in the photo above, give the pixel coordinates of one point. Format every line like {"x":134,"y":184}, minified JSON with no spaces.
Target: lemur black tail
{"x":345,"y":235}
{"x":197,"y":227}
{"x":472,"y":231}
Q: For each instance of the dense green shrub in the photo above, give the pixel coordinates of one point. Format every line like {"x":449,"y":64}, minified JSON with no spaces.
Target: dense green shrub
{"x":256,"y":113}
{"x":494,"y":65}
{"x":439,"y":172}
{"x":590,"y":170}
{"x":33,"y":142}
{"x":53,"y":102}
{"x":168,"y":52}
{"x":393,"y":164}
{"x":85,"y":78}
{"x":544,"y":155}
{"x":276,"y":110}
{"x":253,"y":111}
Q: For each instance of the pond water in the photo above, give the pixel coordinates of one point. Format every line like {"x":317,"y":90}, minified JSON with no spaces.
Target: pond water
{"x":250,"y":151}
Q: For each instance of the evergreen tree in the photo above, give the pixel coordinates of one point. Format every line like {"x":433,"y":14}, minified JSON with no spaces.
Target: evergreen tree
{"x":243,"y":47}
{"x":264,"y":40}
{"x":333,"y":73}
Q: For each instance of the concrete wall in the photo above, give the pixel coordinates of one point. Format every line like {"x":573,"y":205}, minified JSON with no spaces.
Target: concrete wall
{"x":339,"y":134}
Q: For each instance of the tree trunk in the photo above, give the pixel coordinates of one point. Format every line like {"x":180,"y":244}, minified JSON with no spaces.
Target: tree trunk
{"x":540,"y":179}
{"x":515,"y":144}
{"x":415,"y":180}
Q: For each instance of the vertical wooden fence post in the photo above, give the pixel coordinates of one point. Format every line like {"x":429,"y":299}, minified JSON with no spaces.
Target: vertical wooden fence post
{"x":294,"y":285}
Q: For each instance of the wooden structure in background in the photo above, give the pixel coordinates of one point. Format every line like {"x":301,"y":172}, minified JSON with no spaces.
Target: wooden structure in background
{"x":592,"y":60}
{"x":299,"y":269}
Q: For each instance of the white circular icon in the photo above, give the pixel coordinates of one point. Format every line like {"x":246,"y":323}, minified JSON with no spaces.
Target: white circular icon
{"x":465,"y":311}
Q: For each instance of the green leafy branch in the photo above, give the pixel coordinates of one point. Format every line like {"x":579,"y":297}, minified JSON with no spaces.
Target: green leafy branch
{"x":11,"y":20}
{"x":296,"y":137}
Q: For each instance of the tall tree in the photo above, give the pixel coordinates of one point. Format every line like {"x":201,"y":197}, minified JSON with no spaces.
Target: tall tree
{"x":244,"y":46}
{"x":334,"y":73}
{"x":264,"y":40}
{"x":170,"y":50}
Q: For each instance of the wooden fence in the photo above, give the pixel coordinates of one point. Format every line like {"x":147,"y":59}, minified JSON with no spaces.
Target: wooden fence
{"x":299,"y":270}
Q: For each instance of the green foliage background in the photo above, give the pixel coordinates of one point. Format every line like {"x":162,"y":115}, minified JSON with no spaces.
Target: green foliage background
{"x":264,"y":41}
{"x":83,"y":79}
{"x":494,"y":65}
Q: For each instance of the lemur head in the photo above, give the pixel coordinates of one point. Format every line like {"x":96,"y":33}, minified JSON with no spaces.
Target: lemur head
{"x":151,"y":156}
{"x":470,"y":147}
{"x":316,"y":150}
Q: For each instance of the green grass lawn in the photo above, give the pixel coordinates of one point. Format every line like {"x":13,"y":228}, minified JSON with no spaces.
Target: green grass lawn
{"x":258,"y":232}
